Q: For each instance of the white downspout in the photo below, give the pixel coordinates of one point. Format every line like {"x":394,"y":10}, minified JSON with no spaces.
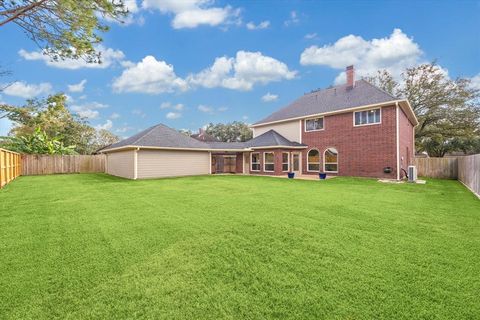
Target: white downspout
{"x":397,"y":121}
{"x":301,"y":131}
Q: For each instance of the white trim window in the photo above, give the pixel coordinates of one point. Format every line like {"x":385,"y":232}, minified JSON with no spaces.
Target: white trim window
{"x":314,"y":124}
{"x":285,"y":162}
{"x":313,"y":160}
{"x":367,"y":117}
{"x":330,"y":160}
{"x":255,"y":161}
{"x":268,"y":162}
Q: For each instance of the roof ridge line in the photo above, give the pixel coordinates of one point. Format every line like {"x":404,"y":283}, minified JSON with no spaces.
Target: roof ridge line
{"x":146,"y":134}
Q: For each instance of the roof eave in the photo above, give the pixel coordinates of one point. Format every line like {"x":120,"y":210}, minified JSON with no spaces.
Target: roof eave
{"x":128,"y":147}
{"x":406,"y":106}
{"x":279,"y":147}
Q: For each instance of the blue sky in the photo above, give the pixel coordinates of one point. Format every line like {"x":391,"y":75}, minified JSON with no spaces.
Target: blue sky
{"x":188,"y":63}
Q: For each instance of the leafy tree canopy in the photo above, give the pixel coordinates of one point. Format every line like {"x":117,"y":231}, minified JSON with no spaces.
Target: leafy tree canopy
{"x":52,"y":117}
{"x":37,"y":142}
{"x":235,"y":131}
{"x":448,"y":110}
{"x":63,"y":28}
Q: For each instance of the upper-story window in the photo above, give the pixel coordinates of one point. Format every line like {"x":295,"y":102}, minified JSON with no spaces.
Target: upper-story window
{"x":365,"y":117}
{"x":314,"y":124}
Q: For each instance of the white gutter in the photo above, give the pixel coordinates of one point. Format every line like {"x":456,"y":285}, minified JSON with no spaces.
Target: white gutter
{"x":174,"y":148}
{"x":279,"y":147}
{"x":201,"y":149}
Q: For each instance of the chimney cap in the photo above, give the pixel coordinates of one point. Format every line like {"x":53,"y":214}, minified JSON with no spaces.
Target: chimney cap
{"x":350,"y":67}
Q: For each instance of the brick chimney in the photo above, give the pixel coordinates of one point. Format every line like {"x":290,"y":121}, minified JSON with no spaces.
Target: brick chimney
{"x":350,"y":71}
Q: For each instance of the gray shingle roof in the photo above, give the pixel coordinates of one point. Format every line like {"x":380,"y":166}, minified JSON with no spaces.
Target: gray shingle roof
{"x":331,"y":99}
{"x":269,"y":139}
{"x":160,"y":136}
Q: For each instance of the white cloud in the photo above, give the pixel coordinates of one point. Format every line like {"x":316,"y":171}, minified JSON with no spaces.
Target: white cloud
{"x":79,"y":87}
{"x":311,"y":35}
{"x":193,"y":13}
{"x":173,"y":115}
{"x":87,"y":113}
{"x":69,"y":98}
{"x":139,"y":113}
{"x":475,"y":84}
{"x":131,"y":5}
{"x":24,"y":90}
{"x":222,"y":109}
{"x":293,"y":19}
{"x":204,"y":108}
{"x":106,"y":126}
{"x":262,"y":25}
{"x":242,"y":72}
{"x":132,"y":17}
{"x":109,"y":57}
{"x":393,"y":53}
{"x":88,"y":110}
{"x":168,"y":105}
{"x":123,"y":129}
{"x":268,"y":97}
{"x":149,"y":76}
{"x":114,"y":116}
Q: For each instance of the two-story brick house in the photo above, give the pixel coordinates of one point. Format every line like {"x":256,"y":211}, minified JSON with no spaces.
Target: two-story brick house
{"x":354,"y":129}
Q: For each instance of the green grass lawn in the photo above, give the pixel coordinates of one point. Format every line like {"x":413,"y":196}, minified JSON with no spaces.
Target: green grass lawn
{"x":234,"y":247}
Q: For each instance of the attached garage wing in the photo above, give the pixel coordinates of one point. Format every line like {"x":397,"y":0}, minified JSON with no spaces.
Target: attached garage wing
{"x":171,"y":163}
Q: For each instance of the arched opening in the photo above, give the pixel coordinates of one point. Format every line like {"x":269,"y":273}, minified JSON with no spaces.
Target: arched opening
{"x":330,"y":160}
{"x":313,"y":160}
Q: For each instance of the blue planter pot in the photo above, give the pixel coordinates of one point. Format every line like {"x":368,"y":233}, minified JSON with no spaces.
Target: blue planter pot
{"x":291,"y":175}
{"x":322,"y":176}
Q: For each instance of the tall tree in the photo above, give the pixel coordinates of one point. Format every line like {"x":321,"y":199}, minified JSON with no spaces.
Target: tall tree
{"x":448,"y":110}
{"x":52,"y":116}
{"x":235,"y":131}
{"x":63,"y":28}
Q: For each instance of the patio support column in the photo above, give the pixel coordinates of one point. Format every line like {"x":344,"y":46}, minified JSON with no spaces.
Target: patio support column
{"x":135,"y":164}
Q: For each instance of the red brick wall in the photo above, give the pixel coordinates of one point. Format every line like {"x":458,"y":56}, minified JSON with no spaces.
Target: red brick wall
{"x":407,"y":147}
{"x":362,"y":151}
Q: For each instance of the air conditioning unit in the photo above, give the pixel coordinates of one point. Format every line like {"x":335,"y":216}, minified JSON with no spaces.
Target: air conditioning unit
{"x":412,"y":173}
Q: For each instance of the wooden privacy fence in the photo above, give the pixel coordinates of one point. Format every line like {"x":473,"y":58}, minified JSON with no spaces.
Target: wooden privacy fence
{"x":10,"y":166}
{"x":445,"y":168}
{"x":33,"y":164}
{"x":469,"y":172}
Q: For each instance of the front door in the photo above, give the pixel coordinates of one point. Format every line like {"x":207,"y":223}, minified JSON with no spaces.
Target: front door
{"x":296,"y":162}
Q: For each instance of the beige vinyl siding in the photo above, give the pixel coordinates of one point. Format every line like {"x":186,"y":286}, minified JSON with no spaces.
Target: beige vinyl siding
{"x":290,"y":130}
{"x":121,"y":164}
{"x":171,"y":163}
